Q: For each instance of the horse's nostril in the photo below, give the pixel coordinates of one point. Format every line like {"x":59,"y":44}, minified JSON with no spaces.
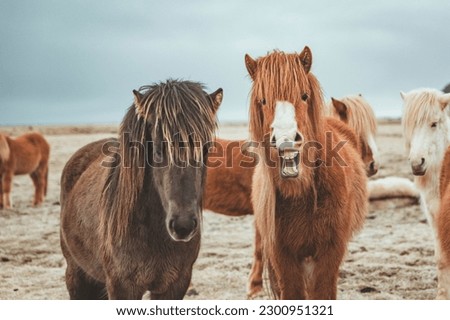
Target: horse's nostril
{"x":423,"y":162}
{"x":273,"y":141}
{"x":298,"y":137}
{"x":183,"y":227}
{"x":372,"y":166}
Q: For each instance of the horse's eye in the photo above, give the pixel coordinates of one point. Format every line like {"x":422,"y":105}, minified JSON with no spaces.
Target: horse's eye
{"x":434,"y":125}
{"x":305,"y":96}
{"x":262,"y":101}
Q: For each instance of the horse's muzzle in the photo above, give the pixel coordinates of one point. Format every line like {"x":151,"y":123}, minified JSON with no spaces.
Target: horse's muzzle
{"x":372,"y":169}
{"x":183,"y":228}
{"x":290,"y":157}
{"x":419,"y":169}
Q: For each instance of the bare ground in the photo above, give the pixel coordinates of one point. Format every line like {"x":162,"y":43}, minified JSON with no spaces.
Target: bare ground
{"x":391,"y":258}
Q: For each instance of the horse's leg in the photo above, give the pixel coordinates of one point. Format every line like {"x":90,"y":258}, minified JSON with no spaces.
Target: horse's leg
{"x":443,"y":267}
{"x":177,"y":290}
{"x":123,"y":289}
{"x":6,"y":189}
{"x":290,"y":274}
{"x":324,"y":273}
{"x":45,"y":179}
{"x":81,"y":286}
{"x":39,"y":177}
{"x":255,"y":279}
{"x":1,"y":191}
{"x":273,"y":281}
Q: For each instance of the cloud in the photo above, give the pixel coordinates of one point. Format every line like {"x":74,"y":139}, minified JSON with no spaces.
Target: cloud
{"x":79,"y":61}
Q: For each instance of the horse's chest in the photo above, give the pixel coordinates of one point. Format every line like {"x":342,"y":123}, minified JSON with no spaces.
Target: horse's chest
{"x":157,"y":269}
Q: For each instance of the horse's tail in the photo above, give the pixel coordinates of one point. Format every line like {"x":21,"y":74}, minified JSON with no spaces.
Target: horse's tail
{"x":392,"y":187}
{"x":4,"y":148}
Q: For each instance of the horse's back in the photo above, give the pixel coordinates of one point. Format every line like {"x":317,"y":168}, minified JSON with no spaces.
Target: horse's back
{"x":28,"y":152}
{"x":229,"y":180}
{"x":78,"y":163}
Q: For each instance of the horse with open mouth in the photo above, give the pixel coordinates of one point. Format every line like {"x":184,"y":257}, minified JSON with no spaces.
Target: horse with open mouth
{"x":309,"y":189}
{"x":131,"y":211}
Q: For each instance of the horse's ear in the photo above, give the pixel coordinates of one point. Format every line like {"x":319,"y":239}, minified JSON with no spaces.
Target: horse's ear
{"x":340,"y":108}
{"x":306,"y":59}
{"x":444,"y":100}
{"x":216,"y":98}
{"x":138,"y":103}
{"x":250,"y":63}
{"x":403,"y":95}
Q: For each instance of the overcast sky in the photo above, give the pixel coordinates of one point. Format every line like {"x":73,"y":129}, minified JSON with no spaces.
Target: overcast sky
{"x":78,"y":61}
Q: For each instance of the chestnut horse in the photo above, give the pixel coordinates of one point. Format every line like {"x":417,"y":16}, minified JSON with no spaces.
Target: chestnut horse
{"x":355,"y":111}
{"x":27,"y":154}
{"x":230,"y":171}
{"x":443,"y":231}
{"x":131,"y":211}
{"x":231,"y":165}
{"x":426,"y":128}
{"x":228,"y":183}
{"x":309,"y":188}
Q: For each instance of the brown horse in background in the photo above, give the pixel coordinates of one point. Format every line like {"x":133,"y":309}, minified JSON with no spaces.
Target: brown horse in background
{"x":27,"y":154}
{"x":355,"y":111}
{"x":308,"y":201}
{"x":443,"y":231}
{"x":228,"y":185}
{"x":131,"y":212}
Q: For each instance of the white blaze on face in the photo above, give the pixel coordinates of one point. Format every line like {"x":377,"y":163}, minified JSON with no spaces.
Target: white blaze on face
{"x":284,"y":125}
{"x":420,"y":144}
{"x":284,"y":134}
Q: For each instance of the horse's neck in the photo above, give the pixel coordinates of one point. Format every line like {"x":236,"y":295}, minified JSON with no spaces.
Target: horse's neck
{"x":429,"y":184}
{"x":296,"y":187}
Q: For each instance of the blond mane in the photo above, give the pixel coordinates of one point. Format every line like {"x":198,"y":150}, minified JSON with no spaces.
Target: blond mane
{"x":360,"y":115}
{"x":421,"y":107}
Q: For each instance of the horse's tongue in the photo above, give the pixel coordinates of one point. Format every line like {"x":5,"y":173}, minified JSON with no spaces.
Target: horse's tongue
{"x":289,"y":168}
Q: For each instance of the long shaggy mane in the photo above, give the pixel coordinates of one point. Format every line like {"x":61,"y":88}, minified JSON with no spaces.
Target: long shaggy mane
{"x":178,"y":113}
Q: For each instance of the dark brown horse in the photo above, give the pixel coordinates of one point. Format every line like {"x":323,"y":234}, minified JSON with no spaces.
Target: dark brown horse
{"x":311,"y":198}
{"x":27,"y":154}
{"x":131,"y":211}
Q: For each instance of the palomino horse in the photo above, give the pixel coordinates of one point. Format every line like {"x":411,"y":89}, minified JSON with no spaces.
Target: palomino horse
{"x":131,"y":215}
{"x":308,"y":194}
{"x":426,"y":128}
{"x":27,"y":154}
{"x":358,"y":114}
